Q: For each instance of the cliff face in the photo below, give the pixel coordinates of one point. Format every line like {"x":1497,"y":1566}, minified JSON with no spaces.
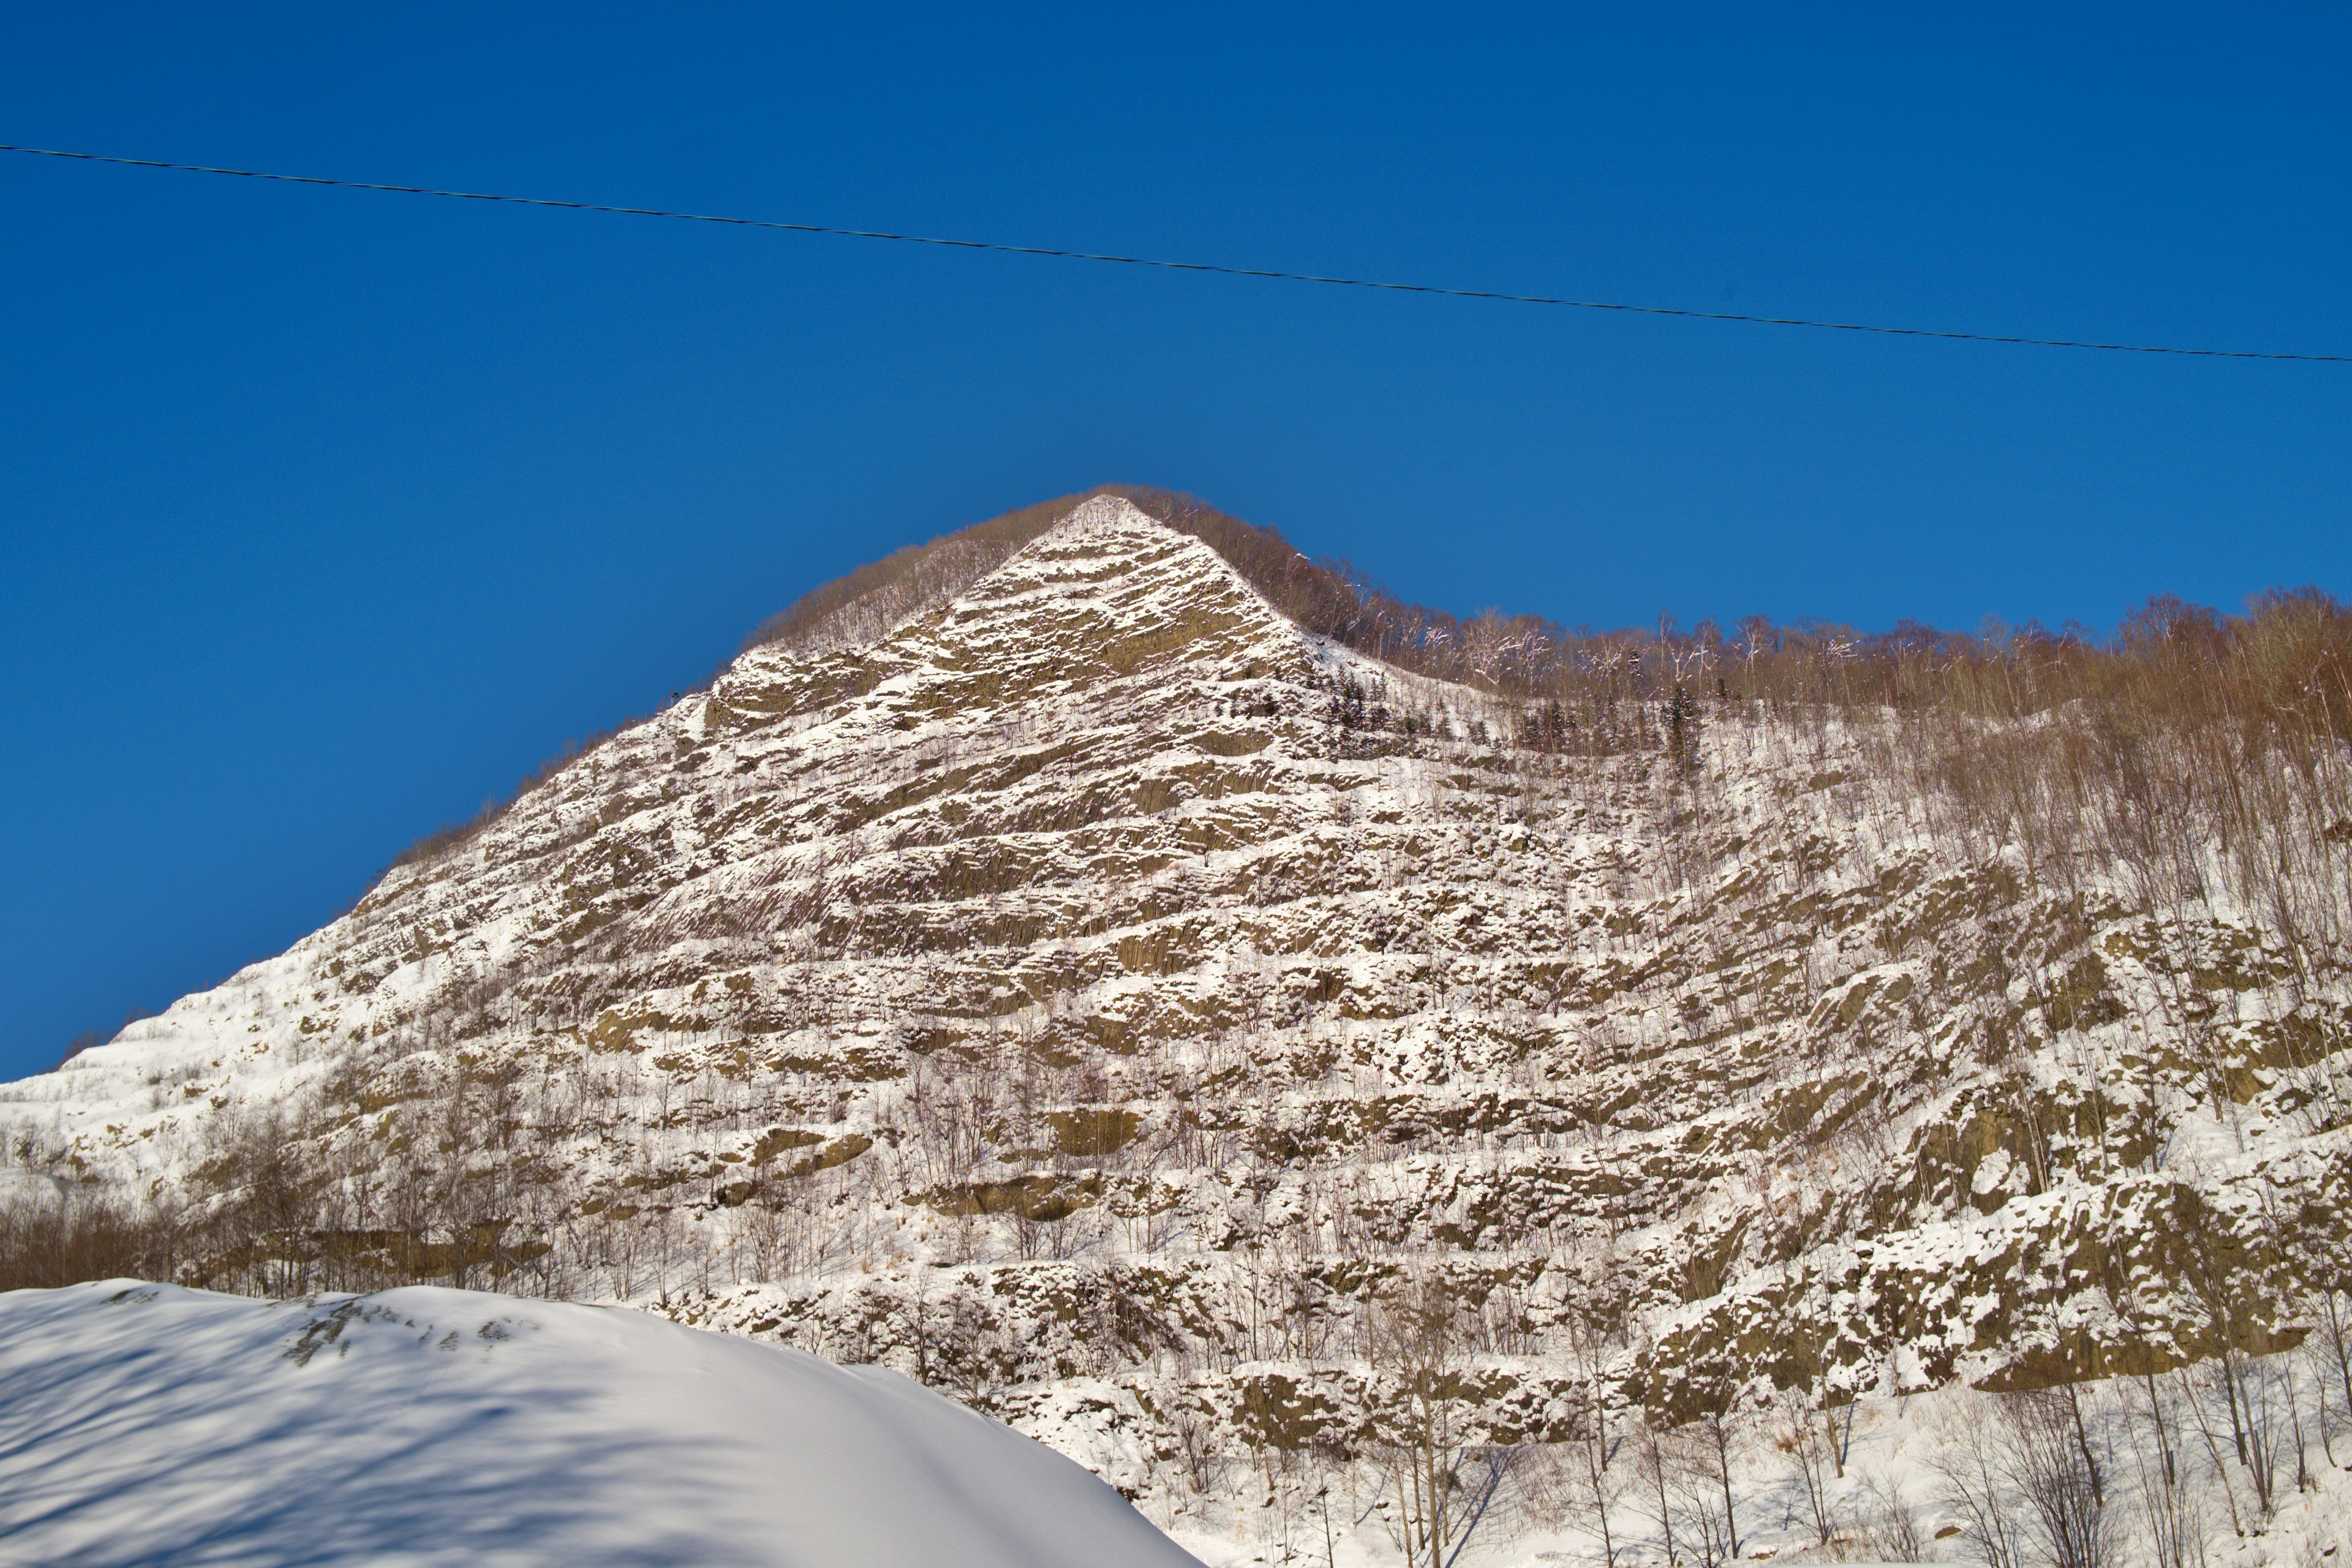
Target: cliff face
{"x":1094,"y":994}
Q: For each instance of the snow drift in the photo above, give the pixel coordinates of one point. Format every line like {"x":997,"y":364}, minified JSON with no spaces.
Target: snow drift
{"x":145,"y":1424}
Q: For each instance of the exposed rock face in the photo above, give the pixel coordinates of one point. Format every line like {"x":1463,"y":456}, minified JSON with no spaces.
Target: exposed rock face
{"x":1089,"y":995}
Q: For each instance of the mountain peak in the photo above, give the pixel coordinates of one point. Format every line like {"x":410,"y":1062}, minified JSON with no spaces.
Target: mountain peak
{"x":1047,"y":969}
{"x":1110,"y":604}
{"x":1108,"y":593}
{"x":1099,"y":673}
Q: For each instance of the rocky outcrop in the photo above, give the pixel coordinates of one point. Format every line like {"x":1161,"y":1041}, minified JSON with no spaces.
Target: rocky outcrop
{"x":1091,"y":993}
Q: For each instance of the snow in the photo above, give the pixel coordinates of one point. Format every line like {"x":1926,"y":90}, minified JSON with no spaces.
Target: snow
{"x":145,"y":1424}
{"x":1087,"y":838}
{"x":1890,"y":1460}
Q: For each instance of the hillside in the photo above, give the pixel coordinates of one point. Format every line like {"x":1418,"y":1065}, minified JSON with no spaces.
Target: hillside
{"x":1241,"y":1061}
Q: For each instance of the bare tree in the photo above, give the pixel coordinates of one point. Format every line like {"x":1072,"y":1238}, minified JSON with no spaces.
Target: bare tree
{"x":1714,"y":1435}
{"x":1975,"y":1489}
{"x":1812,"y":1457}
{"x":1656,"y":1467}
{"x":2048,"y":1464}
{"x":1414,"y":1337}
{"x":1594,"y":1483}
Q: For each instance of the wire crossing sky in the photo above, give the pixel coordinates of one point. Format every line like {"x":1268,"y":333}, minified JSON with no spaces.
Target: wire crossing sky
{"x":1176,"y":266}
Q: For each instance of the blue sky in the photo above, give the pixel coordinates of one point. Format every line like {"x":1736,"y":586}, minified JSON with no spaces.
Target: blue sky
{"x":324,"y":516}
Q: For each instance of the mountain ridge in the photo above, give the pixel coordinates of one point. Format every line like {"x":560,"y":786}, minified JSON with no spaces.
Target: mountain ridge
{"x":1107,"y":1000}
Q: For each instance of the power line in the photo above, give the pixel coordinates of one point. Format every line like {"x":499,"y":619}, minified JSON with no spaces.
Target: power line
{"x":1173,"y":266}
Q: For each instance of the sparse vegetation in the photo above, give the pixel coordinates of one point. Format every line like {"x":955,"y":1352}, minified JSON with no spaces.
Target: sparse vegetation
{"x":1437,"y":1108}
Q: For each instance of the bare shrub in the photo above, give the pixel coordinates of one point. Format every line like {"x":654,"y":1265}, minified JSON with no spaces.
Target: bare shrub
{"x":48,"y":1241}
{"x":1890,"y":1524}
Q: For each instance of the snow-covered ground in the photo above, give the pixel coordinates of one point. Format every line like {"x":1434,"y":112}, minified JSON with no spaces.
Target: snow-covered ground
{"x":145,"y":1424}
{"x":1917,"y":1478}
{"x":1097,"y":997}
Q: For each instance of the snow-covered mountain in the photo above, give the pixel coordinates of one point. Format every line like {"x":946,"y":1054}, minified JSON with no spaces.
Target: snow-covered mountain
{"x":148,"y":1423}
{"x":1092,"y":994}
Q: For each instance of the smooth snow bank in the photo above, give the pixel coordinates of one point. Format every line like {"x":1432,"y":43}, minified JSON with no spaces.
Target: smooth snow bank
{"x":145,"y":1424}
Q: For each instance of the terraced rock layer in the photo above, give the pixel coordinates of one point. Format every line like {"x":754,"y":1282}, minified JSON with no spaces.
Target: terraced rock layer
{"x":1093,"y":994}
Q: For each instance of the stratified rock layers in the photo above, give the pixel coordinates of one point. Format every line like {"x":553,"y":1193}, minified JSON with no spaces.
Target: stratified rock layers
{"x":1088,"y":995}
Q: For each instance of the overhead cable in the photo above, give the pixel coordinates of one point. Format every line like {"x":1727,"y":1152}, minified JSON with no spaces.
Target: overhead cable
{"x":1176,"y":266}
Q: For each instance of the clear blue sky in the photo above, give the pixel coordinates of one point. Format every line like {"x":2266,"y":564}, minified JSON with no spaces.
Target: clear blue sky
{"x":323,"y":515}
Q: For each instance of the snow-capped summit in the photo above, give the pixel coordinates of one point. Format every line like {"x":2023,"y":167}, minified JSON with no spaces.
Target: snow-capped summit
{"x":1056,"y":974}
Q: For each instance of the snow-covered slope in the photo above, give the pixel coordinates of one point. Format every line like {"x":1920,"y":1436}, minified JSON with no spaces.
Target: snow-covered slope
{"x":144,"y":1424}
{"x":1097,"y":998}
